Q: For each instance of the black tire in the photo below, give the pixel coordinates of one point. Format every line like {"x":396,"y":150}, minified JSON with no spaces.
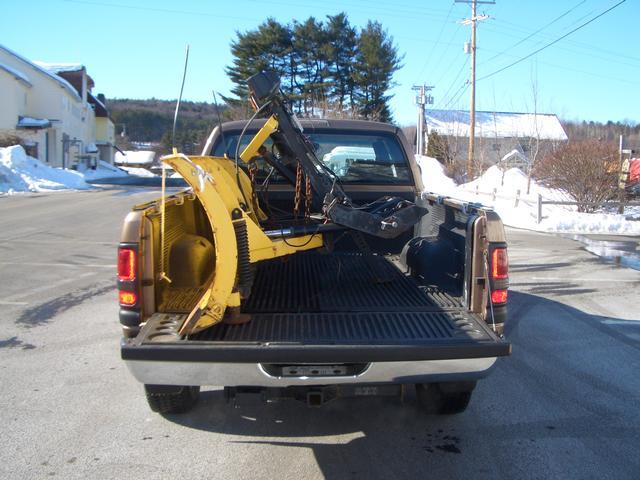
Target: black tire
{"x":164,"y":399}
{"x":444,"y":398}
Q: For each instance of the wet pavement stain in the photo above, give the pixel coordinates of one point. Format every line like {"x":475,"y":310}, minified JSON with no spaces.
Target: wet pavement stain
{"x":14,"y":342}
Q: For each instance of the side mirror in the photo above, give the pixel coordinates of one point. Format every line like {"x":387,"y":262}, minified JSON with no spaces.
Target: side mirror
{"x":264,"y":85}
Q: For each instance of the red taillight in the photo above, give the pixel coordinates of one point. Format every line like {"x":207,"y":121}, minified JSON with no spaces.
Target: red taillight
{"x":499,"y":264}
{"x":127,"y":299}
{"x":126,"y":264}
{"x":499,"y":296}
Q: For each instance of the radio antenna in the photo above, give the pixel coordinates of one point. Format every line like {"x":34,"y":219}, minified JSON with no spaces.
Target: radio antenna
{"x":224,"y":142}
{"x":175,"y":115}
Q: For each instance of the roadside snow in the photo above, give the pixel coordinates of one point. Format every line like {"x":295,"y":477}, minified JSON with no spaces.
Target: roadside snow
{"x":135,"y":157}
{"x":138,"y":172}
{"x":499,"y":190}
{"x":21,"y":173}
{"x":103,"y":170}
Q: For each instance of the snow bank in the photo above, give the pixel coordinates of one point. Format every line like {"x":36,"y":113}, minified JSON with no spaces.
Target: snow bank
{"x":21,"y":173}
{"x":138,"y":172}
{"x":137,"y":157}
{"x":102,"y":171}
{"x":433,"y":176}
{"x":499,"y":190}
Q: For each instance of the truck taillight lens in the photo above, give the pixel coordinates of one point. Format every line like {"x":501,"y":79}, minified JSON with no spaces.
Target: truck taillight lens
{"x":126,"y":264}
{"x":499,"y":264}
{"x":499,"y":296}
{"x":127,"y":299}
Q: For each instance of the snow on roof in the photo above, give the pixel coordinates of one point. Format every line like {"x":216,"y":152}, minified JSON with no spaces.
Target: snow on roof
{"x":66,"y":85}
{"x":59,"y":67}
{"x":140,"y":157}
{"x":16,"y":73}
{"x":496,"y":124}
{"x":30,"y":122}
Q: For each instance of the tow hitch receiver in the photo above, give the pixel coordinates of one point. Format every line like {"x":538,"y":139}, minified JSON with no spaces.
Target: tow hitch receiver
{"x":314,"y":396}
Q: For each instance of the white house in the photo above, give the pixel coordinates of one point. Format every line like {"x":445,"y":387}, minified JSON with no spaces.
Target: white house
{"x":501,"y":137}
{"x":50,"y":107}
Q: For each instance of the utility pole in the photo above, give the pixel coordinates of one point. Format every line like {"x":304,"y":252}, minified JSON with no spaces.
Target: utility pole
{"x":472,"y":109}
{"x":422,"y":99}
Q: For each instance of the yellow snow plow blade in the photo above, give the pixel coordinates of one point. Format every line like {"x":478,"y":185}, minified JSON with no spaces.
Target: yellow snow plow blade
{"x":238,"y":237}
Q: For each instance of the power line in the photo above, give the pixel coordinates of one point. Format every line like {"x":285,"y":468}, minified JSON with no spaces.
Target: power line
{"x":455,"y":80}
{"x":444,"y":24}
{"x":537,"y":31}
{"x":551,"y":43}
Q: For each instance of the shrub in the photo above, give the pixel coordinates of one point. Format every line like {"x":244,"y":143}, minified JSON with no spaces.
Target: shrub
{"x":8,"y":139}
{"x":586,"y":170}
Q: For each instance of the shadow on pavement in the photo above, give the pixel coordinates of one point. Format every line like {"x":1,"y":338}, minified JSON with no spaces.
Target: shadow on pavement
{"x":387,"y":438}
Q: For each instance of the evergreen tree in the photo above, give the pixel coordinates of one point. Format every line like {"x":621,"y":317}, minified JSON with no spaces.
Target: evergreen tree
{"x":310,"y":50}
{"x":376,"y":62}
{"x":342,"y":39}
{"x":267,"y":48}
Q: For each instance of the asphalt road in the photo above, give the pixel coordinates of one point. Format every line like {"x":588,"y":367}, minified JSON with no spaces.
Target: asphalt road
{"x":564,"y":405}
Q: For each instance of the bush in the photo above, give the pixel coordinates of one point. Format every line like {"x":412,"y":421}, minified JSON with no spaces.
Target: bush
{"x":9,"y":139}
{"x":587,"y":170}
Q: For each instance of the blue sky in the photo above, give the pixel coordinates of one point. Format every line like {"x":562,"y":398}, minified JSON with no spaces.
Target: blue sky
{"x":136,"y":49}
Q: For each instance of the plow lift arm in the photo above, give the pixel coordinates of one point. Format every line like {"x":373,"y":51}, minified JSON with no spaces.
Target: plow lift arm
{"x":386,"y":217}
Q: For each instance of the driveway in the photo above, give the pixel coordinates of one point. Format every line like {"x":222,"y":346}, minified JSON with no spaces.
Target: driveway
{"x":564,"y":405}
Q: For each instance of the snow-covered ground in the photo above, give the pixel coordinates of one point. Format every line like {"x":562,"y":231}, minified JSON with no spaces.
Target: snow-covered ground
{"x":499,"y":190}
{"x":138,"y":172}
{"x":22,"y":173}
{"x":135,"y":157}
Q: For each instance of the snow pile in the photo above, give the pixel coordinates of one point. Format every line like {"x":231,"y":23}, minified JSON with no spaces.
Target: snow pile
{"x":103,"y":170}
{"x":21,"y":173}
{"x":139,"y":172}
{"x":433,"y":176}
{"x":137,"y":157}
{"x":505,"y":192}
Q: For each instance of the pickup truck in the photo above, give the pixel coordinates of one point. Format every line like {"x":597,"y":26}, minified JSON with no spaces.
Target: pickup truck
{"x":342,"y":312}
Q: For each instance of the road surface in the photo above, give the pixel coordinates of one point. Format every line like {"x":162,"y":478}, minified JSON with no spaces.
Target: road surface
{"x":564,"y":405}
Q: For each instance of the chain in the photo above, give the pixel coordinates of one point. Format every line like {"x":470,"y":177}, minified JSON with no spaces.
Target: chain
{"x":308,"y":197}
{"x":298,"y":196}
{"x":253,"y":170}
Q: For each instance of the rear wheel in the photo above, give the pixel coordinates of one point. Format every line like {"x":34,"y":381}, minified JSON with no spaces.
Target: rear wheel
{"x":444,"y":398}
{"x":171,"y":399}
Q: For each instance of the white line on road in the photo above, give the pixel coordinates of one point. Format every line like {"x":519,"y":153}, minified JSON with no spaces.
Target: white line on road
{"x":46,"y":242}
{"x":5,"y":302}
{"x":578,"y":280}
{"x":73,"y":265}
{"x":44,"y":288}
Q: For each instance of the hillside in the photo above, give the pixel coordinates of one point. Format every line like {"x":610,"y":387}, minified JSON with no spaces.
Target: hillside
{"x":151,"y":120}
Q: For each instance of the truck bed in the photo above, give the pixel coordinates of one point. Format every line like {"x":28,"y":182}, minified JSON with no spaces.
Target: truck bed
{"x":343,"y":298}
{"x":315,"y":307}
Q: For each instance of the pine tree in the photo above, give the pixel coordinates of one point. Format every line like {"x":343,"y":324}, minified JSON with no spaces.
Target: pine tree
{"x":342,"y":39}
{"x":267,"y":48}
{"x":376,"y":62}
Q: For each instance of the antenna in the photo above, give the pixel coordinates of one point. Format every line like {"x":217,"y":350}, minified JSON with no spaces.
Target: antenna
{"x":224,"y":142}
{"x":175,"y":115}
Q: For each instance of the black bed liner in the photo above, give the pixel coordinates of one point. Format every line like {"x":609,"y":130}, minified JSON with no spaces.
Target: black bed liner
{"x":338,"y":308}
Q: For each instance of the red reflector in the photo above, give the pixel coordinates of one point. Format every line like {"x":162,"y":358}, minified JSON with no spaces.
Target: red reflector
{"x":127,"y":299}
{"x":499,"y":264}
{"x":126,"y":264}
{"x":499,"y":296}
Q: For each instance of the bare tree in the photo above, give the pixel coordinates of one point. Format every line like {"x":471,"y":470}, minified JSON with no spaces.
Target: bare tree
{"x":586,"y":170}
{"x":534,"y":142}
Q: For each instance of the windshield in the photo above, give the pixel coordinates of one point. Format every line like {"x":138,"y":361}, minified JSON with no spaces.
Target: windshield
{"x":354,"y":157}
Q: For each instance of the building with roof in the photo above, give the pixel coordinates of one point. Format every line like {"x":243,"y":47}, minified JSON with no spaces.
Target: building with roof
{"x":506,"y":138}
{"x":51,"y":109}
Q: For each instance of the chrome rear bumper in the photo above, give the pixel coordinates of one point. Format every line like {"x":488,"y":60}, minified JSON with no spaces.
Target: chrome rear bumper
{"x":254,"y":374}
